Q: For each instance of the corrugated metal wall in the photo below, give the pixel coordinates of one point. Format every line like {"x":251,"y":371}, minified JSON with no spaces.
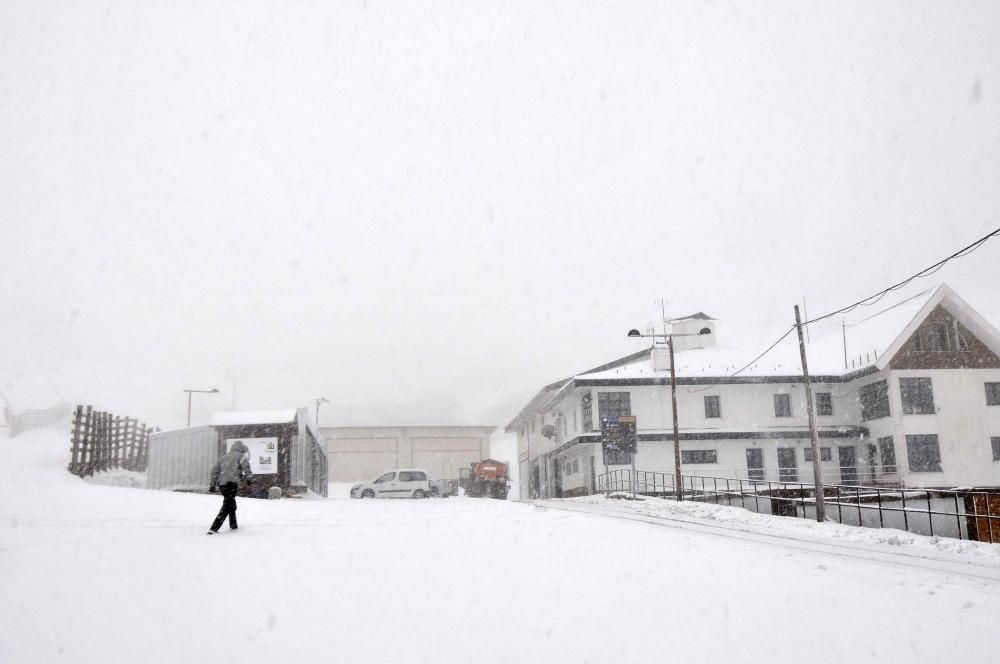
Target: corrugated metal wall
{"x":182,"y":459}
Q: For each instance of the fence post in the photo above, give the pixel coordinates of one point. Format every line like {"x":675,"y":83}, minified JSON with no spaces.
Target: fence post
{"x":117,"y":441}
{"x":88,"y":438}
{"x":989,"y":517}
{"x":75,"y":439}
{"x":906,"y":520}
{"x":930,"y":517}
{"x":958,"y":519}
{"x":881,"y":523}
{"x":143,"y":447}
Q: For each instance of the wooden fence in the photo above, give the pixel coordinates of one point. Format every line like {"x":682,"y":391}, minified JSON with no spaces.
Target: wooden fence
{"x":102,"y":441}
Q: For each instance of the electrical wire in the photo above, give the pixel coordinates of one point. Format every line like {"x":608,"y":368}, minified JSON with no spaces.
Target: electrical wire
{"x":866,"y":302}
{"x":926,"y":272}
{"x":898,"y":304}
{"x":748,"y":364}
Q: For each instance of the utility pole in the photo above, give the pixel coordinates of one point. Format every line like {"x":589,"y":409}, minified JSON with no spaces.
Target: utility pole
{"x":679,"y":481}
{"x":817,"y":476}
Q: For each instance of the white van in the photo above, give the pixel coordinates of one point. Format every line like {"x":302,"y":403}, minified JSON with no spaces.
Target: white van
{"x":399,"y":483}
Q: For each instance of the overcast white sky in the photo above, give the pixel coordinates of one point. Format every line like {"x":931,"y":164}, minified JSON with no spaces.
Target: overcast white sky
{"x":426,"y":211}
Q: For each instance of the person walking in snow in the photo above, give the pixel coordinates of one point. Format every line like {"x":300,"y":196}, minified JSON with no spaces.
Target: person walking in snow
{"x":226,"y":475}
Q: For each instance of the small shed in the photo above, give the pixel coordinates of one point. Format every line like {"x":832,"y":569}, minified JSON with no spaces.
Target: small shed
{"x":181,"y":459}
{"x":285,"y":449}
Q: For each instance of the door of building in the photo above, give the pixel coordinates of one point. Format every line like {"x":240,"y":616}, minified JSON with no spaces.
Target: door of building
{"x":788,"y":467}
{"x":872,"y":466}
{"x":557,"y":477}
{"x":848,"y":464}
{"x":755,"y":463}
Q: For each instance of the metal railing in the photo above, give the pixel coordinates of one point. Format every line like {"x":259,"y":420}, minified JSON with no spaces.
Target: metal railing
{"x":972,"y":514}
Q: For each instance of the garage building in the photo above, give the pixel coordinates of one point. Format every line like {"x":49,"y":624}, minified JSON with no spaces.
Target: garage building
{"x":362,"y":453}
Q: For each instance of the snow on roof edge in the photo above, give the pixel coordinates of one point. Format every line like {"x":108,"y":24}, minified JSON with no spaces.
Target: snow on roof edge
{"x":233,"y":418}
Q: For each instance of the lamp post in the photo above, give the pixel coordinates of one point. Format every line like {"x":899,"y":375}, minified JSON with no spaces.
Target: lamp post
{"x":678,"y":481}
{"x":318,"y":402}
{"x":189,"y":392}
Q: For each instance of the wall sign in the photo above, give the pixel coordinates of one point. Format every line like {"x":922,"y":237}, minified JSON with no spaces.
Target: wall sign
{"x":263,"y":454}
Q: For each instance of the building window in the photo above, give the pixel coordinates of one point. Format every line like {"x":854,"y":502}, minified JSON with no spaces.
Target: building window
{"x":576,"y":422}
{"x":937,"y":337}
{"x":875,"y":400}
{"x":699,"y":456}
{"x":995,"y":442}
{"x":825,"y":454}
{"x":588,"y":415}
{"x":993,"y":394}
{"x":787,"y":465}
{"x":755,"y":463}
{"x":824,"y":403}
{"x":782,"y":405}
{"x":917,"y":395}
{"x":712,"y":407}
{"x":613,"y":404}
{"x":923,"y":453}
{"x":576,"y":465}
{"x":887,"y":451}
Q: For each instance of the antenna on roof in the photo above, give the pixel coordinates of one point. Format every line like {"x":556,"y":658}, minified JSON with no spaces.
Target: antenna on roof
{"x":843,"y":329}
{"x":663,"y":314}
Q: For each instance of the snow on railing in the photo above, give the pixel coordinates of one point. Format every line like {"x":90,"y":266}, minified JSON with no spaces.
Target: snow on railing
{"x":961,"y":513}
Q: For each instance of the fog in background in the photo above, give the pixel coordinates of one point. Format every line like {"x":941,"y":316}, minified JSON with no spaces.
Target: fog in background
{"x":426,"y":211}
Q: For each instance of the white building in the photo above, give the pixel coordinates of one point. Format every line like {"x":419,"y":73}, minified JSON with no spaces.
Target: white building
{"x":909,"y":396}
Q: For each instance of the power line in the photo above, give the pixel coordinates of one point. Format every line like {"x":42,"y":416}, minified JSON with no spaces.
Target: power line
{"x":868,"y":301}
{"x":926,"y":272}
{"x":898,"y":304}
{"x":748,"y":364}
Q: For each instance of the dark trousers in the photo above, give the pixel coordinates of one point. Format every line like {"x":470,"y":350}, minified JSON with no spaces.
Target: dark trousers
{"x":228,"y":506}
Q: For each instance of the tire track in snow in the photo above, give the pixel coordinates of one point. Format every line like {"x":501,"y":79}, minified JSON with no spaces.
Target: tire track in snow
{"x":923,"y":561}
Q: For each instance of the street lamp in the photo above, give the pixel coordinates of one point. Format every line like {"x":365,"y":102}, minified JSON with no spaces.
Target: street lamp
{"x":211,"y":391}
{"x":318,"y":402}
{"x":678,"y":481}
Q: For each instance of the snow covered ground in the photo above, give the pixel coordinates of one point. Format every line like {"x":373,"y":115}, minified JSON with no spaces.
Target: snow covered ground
{"x":99,"y":573}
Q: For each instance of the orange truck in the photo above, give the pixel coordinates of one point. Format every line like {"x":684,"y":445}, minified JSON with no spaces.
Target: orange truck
{"x":486,"y":478}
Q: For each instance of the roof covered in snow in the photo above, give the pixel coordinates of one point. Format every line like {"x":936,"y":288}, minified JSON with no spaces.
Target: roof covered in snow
{"x":235,"y":418}
{"x":701,"y":315}
{"x":863,"y":339}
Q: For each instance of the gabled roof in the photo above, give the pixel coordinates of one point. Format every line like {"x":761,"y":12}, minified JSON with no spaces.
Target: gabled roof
{"x":957,"y":307}
{"x":701,"y":315}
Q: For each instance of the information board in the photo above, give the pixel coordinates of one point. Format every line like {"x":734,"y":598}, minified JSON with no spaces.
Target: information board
{"x":263,"y":454}
{"x":618,"y":434}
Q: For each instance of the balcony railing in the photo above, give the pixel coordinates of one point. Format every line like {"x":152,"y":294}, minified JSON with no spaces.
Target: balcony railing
{"x":960,"y":513}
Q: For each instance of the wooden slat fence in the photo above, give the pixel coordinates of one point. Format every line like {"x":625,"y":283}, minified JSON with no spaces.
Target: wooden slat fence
{"x":102,"y":441}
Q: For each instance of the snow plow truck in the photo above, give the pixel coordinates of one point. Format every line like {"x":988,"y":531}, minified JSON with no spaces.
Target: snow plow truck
{"x":486,"y":478}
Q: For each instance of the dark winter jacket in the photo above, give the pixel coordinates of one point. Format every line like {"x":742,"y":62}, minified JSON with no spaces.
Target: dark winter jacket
{"x":233,"y":466}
